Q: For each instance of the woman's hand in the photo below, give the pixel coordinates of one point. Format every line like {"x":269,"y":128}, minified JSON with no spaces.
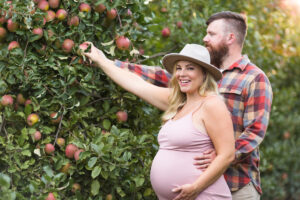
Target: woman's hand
{"x":187,"y":192}
{"x":95,"y":54}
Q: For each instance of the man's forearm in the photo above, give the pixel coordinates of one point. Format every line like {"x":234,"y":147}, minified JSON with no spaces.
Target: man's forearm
{"x":154,"y":75}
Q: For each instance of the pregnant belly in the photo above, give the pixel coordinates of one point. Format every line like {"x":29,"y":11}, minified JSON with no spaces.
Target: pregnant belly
{"x":171,"y":169}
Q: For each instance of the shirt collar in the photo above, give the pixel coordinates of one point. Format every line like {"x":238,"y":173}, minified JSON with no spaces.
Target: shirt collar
{"x":240,"y":64}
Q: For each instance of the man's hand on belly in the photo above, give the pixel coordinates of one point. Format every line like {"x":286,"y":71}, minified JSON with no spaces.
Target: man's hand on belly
{"x":204,"y":160}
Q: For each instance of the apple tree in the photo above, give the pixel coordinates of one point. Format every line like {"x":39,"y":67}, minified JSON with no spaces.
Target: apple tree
{"x":67,"y":131}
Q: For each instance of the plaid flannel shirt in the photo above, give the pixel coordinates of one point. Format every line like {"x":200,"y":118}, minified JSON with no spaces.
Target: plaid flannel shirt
{"x":248,"y":95}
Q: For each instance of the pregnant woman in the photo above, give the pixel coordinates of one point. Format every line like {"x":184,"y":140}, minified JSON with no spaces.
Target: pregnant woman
{"x":195,"y":119}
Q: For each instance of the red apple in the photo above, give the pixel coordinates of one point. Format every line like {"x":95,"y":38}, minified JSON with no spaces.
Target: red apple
{"x":67,"y":45}
{"x":2,"y":19}
{"x":61,"y":14}
{"x":82,"y":48}
{"x":84,"y":7}
{"x":12,"y":26}
{"x":122,"y":116}
{"x":49,"y":149}
{"x":166,"y":32}
{"x":100,"y":8}
{"x":50,"y":16}
{"x":70,"y":150}
{"x":75,"y":187}
{"x":60,"y":142}
{"x":36,"y":136}
{"x":55,"y":119}
{"x":7,"y":100}
{"x":28,"y":102}
{"x":3,"y":33}
{"x":284,"y":176}
{"x":13,"y":45}
{"x":43,"y":5}
{"x":73,"y":21}
{"x":111,"y":14}
{"x":38,"y":31}
{"x":21,"y":99}
{"x":123,"y":43}
{"x":32,"y":119}
{"x":286,"y":135}
{"x":77,"y":153}
{"x":50,"y":196}
{"x":163,"y":10}
{"x":54,"y":3}
{"x":179,"y":24}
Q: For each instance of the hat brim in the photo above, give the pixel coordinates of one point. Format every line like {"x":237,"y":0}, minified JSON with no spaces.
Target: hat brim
{"x":169,"y":61}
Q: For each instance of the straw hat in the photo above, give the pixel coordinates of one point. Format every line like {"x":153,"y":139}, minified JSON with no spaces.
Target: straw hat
{"x":195,"y":53}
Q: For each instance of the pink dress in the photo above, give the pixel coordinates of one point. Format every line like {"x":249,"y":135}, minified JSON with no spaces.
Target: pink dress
{"x":173,"y":165}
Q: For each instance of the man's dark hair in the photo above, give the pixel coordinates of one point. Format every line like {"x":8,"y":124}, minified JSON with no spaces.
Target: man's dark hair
{"x":236,"y":22}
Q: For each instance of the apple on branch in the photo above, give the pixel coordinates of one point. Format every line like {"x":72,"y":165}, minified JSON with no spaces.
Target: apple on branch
{"x":32,"y":119}
{"x":166,"y":32}
{"x":11,"y":25}
{"x":122,"y":116}
{"x":67,"y":45}
{"x":43,"y":5}
{"x":3,"y":33}
{"x":54,"y":3}
{"x":123,"y":43}
{"x":7,"y":100}
{"x":61,"y":14}
{"x":70,"y":150}
{"x":100,"y":8}
{"x":84,"y":7}
{"x":49,"y":149}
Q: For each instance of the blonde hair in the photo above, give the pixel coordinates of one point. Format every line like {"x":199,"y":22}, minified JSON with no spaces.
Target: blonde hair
{"x":177,"y":99}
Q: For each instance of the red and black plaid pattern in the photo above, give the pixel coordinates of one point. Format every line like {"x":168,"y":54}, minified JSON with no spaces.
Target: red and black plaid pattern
{"x":154,"y":75}
{"x":248,"y":96}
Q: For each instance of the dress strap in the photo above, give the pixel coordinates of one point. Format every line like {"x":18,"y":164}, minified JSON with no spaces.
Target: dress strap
{"x":201,"y":104}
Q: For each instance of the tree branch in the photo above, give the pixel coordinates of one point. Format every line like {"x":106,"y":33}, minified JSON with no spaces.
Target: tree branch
{"x":157,"y":55}
{"x":119,"y":19}
{"x":59,"y":126}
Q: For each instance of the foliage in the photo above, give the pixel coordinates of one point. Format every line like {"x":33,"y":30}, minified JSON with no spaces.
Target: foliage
{"x":117,"y":155}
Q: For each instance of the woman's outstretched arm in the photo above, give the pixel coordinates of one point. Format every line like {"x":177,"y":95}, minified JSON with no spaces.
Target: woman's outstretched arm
{"x":157,"y":96}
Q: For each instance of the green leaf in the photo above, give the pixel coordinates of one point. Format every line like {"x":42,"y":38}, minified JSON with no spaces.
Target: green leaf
{"x":105,"y":106}
{"x":120,"y":192}
{"x":48,"y":171}
{"x":95,"y":186}
{"x":106,"y":124}
{"x":92,"y":162}
{"x":96,"y":171}
{"x":129,"y":96}
{"x":97,"y":148}
{"x":26,"y":153}
{"x":4,"y":181}
{"x":138,"y":181}
{"x":147,"y":192}
{"x":104,"y":174}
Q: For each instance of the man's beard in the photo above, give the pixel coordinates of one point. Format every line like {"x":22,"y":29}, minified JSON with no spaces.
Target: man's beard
{"x":218,"y":54}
